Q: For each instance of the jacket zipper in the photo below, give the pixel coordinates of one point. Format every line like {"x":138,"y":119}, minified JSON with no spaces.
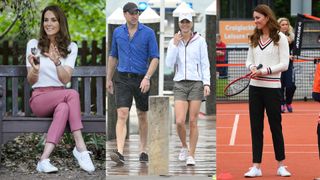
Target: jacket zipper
{"x":198,"y":70}
{"x":185,"y":60}
{"x":185,"y":57}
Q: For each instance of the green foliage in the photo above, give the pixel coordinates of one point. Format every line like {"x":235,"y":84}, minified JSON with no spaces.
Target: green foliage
{"x":16,"y":19}
{"x":86,"y":18}
{"x":97,"y":141}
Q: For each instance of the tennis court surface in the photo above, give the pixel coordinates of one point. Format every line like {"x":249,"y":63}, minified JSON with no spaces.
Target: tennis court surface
{"x":234,"y":142}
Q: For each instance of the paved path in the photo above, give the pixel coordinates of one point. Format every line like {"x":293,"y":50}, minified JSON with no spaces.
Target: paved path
{"x":205,"y":155}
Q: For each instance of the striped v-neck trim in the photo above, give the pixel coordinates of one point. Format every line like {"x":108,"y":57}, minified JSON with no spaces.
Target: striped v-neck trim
{"x":265,"y":44}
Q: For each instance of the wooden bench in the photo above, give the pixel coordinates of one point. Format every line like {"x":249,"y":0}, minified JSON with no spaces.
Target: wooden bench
{"x":89,"y":81}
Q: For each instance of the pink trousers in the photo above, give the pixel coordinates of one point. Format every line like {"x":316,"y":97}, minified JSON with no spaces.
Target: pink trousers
{"x":61,"y":104}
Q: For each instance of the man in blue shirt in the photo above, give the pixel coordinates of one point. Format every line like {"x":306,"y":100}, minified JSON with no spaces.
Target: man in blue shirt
{"x":133,"y":44}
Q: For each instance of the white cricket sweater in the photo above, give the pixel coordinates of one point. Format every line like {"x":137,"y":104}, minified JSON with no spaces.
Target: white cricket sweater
{"x":274,"y":58}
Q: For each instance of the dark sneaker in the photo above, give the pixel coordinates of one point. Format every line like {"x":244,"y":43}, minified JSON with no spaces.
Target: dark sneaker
{"x":117,"y":157}
{"x":289,"y":107}
{"x":283,"y":108}
{"x":143,"y":157}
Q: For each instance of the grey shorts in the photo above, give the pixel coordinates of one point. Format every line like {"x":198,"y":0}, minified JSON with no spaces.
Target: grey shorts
{"x":188,"y":90}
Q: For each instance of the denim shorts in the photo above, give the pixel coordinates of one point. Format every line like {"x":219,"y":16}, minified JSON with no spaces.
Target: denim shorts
{"x":188,"y":90}
{"x":127,"y":87}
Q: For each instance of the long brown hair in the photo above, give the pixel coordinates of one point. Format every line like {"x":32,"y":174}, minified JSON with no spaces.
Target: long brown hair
{"x":62,"y":38}
{"x":272,"y":24}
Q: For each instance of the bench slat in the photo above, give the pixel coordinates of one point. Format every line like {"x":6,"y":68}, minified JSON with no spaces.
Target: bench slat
{"x":79,"y":71}
{"x":14,"y":95}
{"x":26,"y":91}
{"x":87,"y":96}
{"x":75,"y":83}
{"x":31,"y":124}
{"x":3,"y":99}
{"x":100,"y":96}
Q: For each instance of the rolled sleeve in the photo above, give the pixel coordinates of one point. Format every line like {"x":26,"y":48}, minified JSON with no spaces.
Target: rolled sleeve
{"x":153,"y":46}
{"x":114,"y":47}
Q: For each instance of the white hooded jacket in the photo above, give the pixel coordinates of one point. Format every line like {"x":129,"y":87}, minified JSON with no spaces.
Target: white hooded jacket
{"x":190,"y":61}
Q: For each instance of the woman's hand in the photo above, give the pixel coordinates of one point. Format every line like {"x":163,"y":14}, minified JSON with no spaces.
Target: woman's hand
{"x":176,"y":39}
{"x":255,"y":71}
{"x":206,"y":90}
{"x":32,"y":58}
{"x":53,"y":54}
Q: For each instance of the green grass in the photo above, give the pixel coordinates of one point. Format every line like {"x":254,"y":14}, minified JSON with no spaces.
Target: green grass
{"x":220,"y":84}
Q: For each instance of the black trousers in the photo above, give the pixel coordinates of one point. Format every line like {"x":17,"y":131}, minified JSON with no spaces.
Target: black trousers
{"x":288,"y":86}
{"x":318,"y":131}
{"x":269,"y":99}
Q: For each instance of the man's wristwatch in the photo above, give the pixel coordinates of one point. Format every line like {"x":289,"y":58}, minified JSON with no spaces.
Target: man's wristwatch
{"x":147,"y":76}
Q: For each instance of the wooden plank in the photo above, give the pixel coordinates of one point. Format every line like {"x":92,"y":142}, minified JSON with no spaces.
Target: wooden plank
{"x":103,"y":51}
{"x":100,"y":96}
{"x":35,"y":124}
{"x":2,"y":100}
{"x":14,"y":95}
{"x":79,"y":71}
{"x":75,"y":83}
{"x":87,"y":96}
{"x":15,"y":53}
{"x":26,"y":97}
{"x":83,"y":52}
{"x":5,"y":53}
{"x":3,"y":84}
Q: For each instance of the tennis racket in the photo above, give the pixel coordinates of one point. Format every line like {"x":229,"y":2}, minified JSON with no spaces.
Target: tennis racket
{"x":238,"y":85}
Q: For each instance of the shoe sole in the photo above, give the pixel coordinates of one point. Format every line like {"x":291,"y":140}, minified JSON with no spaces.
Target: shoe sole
{"x":114,"y":157}
{"x":40,"y":171}
{"x":87,"y":170}
{"x":190,"y":164}
{"x":259,"y":175}
{"x":284,"y":176}
{"x":251,"y":176}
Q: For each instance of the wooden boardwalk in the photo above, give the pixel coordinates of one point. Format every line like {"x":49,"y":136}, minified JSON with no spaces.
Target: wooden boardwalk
{"x":205,"y":154}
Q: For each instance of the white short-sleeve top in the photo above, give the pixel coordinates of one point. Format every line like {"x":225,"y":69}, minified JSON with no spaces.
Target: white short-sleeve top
{"x":48,"y":71}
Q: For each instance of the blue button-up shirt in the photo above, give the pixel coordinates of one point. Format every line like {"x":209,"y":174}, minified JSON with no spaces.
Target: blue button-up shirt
{"x":134,"y":54}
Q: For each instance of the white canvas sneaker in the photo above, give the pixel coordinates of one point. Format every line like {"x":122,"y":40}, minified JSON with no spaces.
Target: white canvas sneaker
{"x":183,"y":154}
{"x":253,"y":172}
{"x":282,"y":171}
{"x":84,"y":160}
{"x":46,"y":167}
{"x":190,"y":161}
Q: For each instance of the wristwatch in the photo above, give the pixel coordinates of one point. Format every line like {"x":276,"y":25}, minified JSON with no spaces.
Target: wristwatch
{"x":147,"y":76}
{"x":58,"y":64}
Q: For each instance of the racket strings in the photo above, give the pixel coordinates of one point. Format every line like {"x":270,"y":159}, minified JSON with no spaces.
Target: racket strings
{"x":237,"y":86}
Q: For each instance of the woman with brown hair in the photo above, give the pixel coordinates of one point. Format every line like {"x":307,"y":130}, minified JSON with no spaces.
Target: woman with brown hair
{"x":270,"y":48}
{"x":50,"y":63}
